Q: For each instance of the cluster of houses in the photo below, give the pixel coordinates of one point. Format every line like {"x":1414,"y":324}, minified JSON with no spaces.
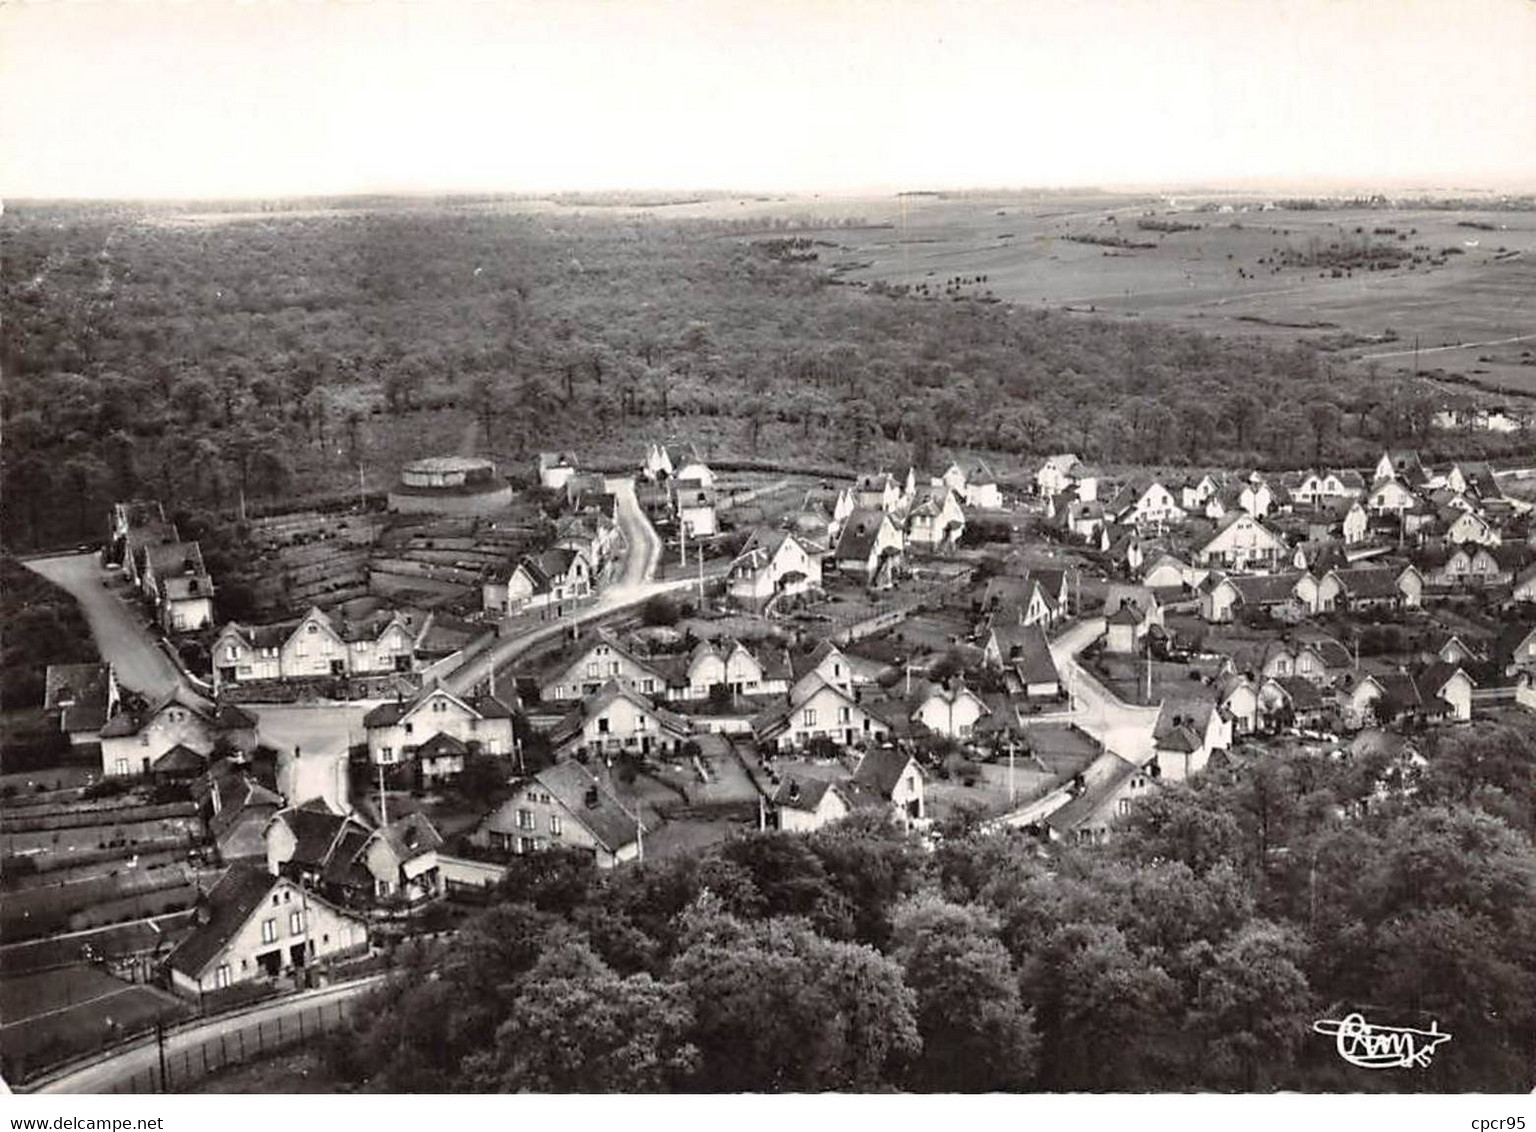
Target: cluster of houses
{"x":167,"y":569}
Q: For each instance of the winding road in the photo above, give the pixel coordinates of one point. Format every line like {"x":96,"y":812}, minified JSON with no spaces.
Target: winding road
{"x":635,"y":584}
{"x":1125,"y":729}
{"x":122,"y":637}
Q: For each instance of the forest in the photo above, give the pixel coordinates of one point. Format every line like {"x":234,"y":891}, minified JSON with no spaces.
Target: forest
{"x":1192,"y":951}
{"x":255,"y":361}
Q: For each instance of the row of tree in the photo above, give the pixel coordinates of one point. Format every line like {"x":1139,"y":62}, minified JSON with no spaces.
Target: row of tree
{"x":1193,"y":951}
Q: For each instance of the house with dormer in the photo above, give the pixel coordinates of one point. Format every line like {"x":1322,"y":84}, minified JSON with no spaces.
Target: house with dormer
{"x":1241,"y":542}
{"x":134,"y":742}
{"x":396,"y":729}
{"x":772,"y":564}
{"x":567,"y":806}
{"x":818,"y":710}
{"x":1144,"y":503}
{"x":935,"y":521}
{"x":950,"y":711}
{"x":618,"y":720}
{"x":869,"y":548}
{"x":553,"y":577}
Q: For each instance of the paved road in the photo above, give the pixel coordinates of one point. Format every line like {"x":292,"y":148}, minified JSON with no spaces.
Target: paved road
{"x":144,"y":1057}
{"x":121,"y":637}
{"x":1124,"y":728}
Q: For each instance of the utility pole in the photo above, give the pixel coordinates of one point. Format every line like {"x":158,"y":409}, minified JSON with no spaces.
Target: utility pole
{"x":362,"y":492}
{"x":682,"y":544}
{"x":701,"y":575}
{"x":383,"y":800}
{"x":160,"y":1042}
{"x":1013,"y":794}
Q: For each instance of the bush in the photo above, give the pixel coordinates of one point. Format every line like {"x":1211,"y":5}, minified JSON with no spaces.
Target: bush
{"x":659,"y":610}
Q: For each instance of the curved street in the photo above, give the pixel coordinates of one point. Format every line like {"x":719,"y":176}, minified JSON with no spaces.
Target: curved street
{"x":1125,"y":729}
{"x":122,"y":637}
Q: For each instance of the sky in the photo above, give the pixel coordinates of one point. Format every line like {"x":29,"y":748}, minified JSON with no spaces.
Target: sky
{"x":236,"y":98}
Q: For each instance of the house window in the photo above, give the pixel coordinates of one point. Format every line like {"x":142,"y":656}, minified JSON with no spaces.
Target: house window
{"x":439,"y":705}
{"x":386,"y":754}
{"x":647,"y":685}
{"x":602,"y":726}
{"x":640,"y":723}
{"x":556,"y":828}
{"x":296,"y":923}
{"x":525,"y":844}
{"x":221,"y":976}
{"x":592,"y":670}
{"x":613,"y":668}
{"x":524,"y":819}
{"x":809,"y":718}
{"x":408,"y":728}
{"x":269,"y":931}
{"x":844,"y":714}
{"x":1124,"y":806}
{"x":122,"y":766}
{"x":231,"y":653}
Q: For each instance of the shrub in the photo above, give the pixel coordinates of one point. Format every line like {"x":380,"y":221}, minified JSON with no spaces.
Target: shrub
{"x":659,"y":610}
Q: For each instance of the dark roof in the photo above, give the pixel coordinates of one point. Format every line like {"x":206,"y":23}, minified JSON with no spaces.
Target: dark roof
{"x":230,"y":903}
{"x":1303,"y":694}
{"x":1116,"y":771}
{"x":860,"y":531}
{"x":81,"y":692}
{"x":1025,"y":648}
{"x":1435,"y":677}
{"x":1265,"y":589}
{"x":410,"y":836}
{"x":611,"y":823}
{"x":1369,"y":582}
{"x":881,"y":770}
{"x":180,"y":760}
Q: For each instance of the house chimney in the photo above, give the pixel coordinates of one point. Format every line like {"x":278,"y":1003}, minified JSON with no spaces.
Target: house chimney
{"x":794,"y":790}
{"x":591,"y":798}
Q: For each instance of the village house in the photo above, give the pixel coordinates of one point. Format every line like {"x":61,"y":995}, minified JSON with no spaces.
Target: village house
{"x":1129,"y":612}
{"x":254,"y":925}
{"x":1319,"y":660}
{"x":1024,"y":653}
{"x":770,"y":565}
{"x":869,"y":548}
{"x":695,"y":506}
{"x":81,"y":698}
{"x":657,"y":465}
{"x":825,"y":664}
{"x":950,"y":711}
{"x":1064,"y":471}
{"x":236,"y":808}
{"x":1285,"y":597}
{"x":1291,"y":701}
{"x":556,"y":470}
{"x":395,"y":730}
{"x":1404,"y":465}
{"x":1390,"y":497}
{"x":553,"y":577}
{"x":818,"y":710}
{"x":595,"y":662}
{"x":1370,"y":587}
{"x":1168,"y":571}
{"x":174,"y":577}
{"x":1185,"y":735}
{"x":1470,"y":527}
{"x":1082,"y":518}
{"x":975,"y":484}
{"x":1445,"y":683}
{"x":618,"y":720}
{"x":802,"y":804}
{"x":134,"y":742}
{"x":878,"y":491}
{"x":567,"y":806}
{"x":344,"y":858}
{"x":1381,"y":699}
{"x":593,"y":534}
{"x":1101,"y":794}
{"x":1238,"y":698}
{"x":1320,"y":487}
{"x":935,"y":521}
{"x":1024,"y":600}
{"x":1144,"y":503}
{"x":895,"y":778}
{"x":318,"y":645}
{"x":1241,"y":542}
{"x":732,"y":668}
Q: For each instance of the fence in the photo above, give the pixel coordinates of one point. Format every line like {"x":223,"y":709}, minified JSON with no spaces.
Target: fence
{"x":191,"y":1060}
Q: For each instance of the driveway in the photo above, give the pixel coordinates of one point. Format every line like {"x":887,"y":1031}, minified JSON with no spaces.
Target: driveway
{"x":122,"y":637}
{"x":1124,"y":728}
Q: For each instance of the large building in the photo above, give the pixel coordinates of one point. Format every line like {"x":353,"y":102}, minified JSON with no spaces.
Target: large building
{"x":450,"y":485}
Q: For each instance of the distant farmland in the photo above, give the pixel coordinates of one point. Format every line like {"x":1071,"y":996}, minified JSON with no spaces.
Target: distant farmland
{"x":1344,"y":279}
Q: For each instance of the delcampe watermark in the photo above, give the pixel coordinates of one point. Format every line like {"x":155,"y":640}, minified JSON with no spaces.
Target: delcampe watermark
{"x":1382,"y":1047}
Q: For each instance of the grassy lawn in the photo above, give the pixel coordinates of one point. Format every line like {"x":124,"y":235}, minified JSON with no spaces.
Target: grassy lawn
{"x":52,"y":1015}
{"x":1127,"y":678}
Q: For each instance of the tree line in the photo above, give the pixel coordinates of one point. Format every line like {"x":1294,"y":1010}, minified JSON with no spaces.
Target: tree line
{"x":275,"y":358}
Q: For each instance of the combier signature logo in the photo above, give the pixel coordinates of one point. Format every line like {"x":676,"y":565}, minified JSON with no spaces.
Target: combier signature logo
{"x":1382,"y":1047}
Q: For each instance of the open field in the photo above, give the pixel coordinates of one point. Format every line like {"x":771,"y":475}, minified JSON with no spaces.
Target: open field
{"x":55,"y":1014}
{"x":1027,"y":248}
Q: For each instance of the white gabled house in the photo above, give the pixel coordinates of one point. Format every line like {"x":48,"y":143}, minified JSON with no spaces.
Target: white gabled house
{"x":770,"y":565}
{"x":1241,"y":542}
{"x":936,"y":520}
{"x":395,"y":730}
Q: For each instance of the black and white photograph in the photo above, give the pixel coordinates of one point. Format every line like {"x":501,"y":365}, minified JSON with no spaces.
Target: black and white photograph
{"x":767,"y":547}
